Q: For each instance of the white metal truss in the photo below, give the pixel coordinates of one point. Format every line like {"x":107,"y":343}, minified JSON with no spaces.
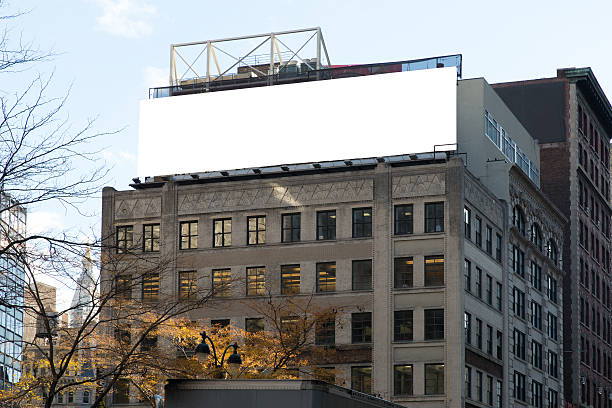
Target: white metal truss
{"x":278,"y":52}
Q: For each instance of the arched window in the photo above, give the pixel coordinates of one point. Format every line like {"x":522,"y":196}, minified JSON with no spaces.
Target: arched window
{"x":552,"y":251}
{"x":536,"y":235}
{"x":518,"y":219}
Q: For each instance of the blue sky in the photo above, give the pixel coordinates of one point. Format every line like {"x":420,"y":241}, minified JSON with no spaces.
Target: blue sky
{"x":111,"y":51}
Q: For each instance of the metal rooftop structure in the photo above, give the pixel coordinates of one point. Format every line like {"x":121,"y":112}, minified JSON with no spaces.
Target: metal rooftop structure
{"x":291,"y":56}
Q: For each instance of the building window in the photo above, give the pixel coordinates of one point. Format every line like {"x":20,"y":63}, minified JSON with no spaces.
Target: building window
{"x":326,"y":225}
{"x":217,"y":324}
{"x":518,"y":220}
{"x":479,"y":333}
{"x":553,"y":398}
{"x":536,"y":394}
{"x":254,"y":325}
{"x":467,"y":267}
{"x":361,"y":379}
{"x":498,"y":296}
{"x":256,"y":281}
{"x":222,"y":232}
{"x":551,"y":288}
{"x":536,"y":276}
{"x":489,"y":390}
{"x":123,"y":287}
{"x":403,"y":219}
{"x":402,"y":272}
{"x":189,"y":235}
{"x":536,"y":315}
{"x":361,"y":327}
{"x":467,"y":325}
{"x":500,"y":345}
{"x":489,"y":340}
{"x":552,"y":326}
{"x":402,"y":380}
{"x":85,"y":397}
{"x":489,"y":290}
{"x":151,"y":237}
{"x":467,"y":222}
{"x":518,"y":261}
{"x":478,"y":231}
{"x":489,"y":240}
{"x":479,"y":385}
{"x":468,"y":382}
{"x":290,"y":279}
{"x":434,"y":270}
{"x":498,"y":247}
{"x":257,"y":230}
{"x":552,"y":252}
{"x":291,"y":226}
{"x":221,"y":282}
{"x":499,"y":393}
{"x":326,"y":277}
{"x":518,"y":304}
{"x":519,"y":344}
{"x":434,"y":217}
{"x":402,"y":325}
{"x":479,"y":282}
{"x":150,"y":287}
{"x":519,"y":386}
{"x":536,"y":236}
{"x":125,"y":238}
{"x":187,"y":285}
{"x":553,"y":364}
{"x":434,"y":379}
{"x":362,"y":275}
{"x":362,"y":222}
{"x":325,"y":331}
{"x":434,"y":324}
{"x":536,"y":354}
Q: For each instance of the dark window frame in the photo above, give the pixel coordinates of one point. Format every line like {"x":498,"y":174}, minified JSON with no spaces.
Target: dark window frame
{"x":326,"y":225}
{"x":151,"y":234}
{"x":403,"y":224}
{"x":403,"y":278}
{"x":188,"y":292}
{"x":124,"y":244}
{"x":362,"y":229}
{"x":434,"y":223}
{"x":287,"y":277}
{"x":260,"y":227}
{"x":191,"y":244}
{"x":431,"y":273}
{"x":403,"y":325}
{"x":291,"y":231}
{"x":362,"y":282}
{"x":255,"y":285}
{"x":361,"y":327}
{"x":225,"y":291}
{"x":434,"y":328}
{"x":223,"y":234}
{"x":326,"y":283}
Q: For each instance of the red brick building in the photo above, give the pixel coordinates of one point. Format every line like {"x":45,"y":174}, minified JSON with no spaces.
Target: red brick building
{"x":572,"y":120}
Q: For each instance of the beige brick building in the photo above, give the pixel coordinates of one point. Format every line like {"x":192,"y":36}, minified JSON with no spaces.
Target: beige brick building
{"x":415,"y":251}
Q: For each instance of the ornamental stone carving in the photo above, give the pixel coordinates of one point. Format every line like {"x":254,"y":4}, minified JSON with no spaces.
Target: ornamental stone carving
{"x":275,"y":196}
{"x":137,"y":208}
{"x":419,"y":185}
{"x":478,"y":197}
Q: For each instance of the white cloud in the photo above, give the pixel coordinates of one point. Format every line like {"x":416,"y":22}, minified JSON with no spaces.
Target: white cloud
{"x":40,"y":222}
{"x":155,"y":77}
{"x":126,"y":18}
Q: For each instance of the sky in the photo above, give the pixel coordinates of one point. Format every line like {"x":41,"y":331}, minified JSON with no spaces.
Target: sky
{"x":109,"y":52}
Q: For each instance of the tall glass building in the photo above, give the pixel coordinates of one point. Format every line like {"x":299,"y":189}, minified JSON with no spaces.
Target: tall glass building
{"x":12,"y":226}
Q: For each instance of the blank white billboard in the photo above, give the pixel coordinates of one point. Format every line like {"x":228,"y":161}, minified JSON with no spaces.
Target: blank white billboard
{"x":348,"y":118}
